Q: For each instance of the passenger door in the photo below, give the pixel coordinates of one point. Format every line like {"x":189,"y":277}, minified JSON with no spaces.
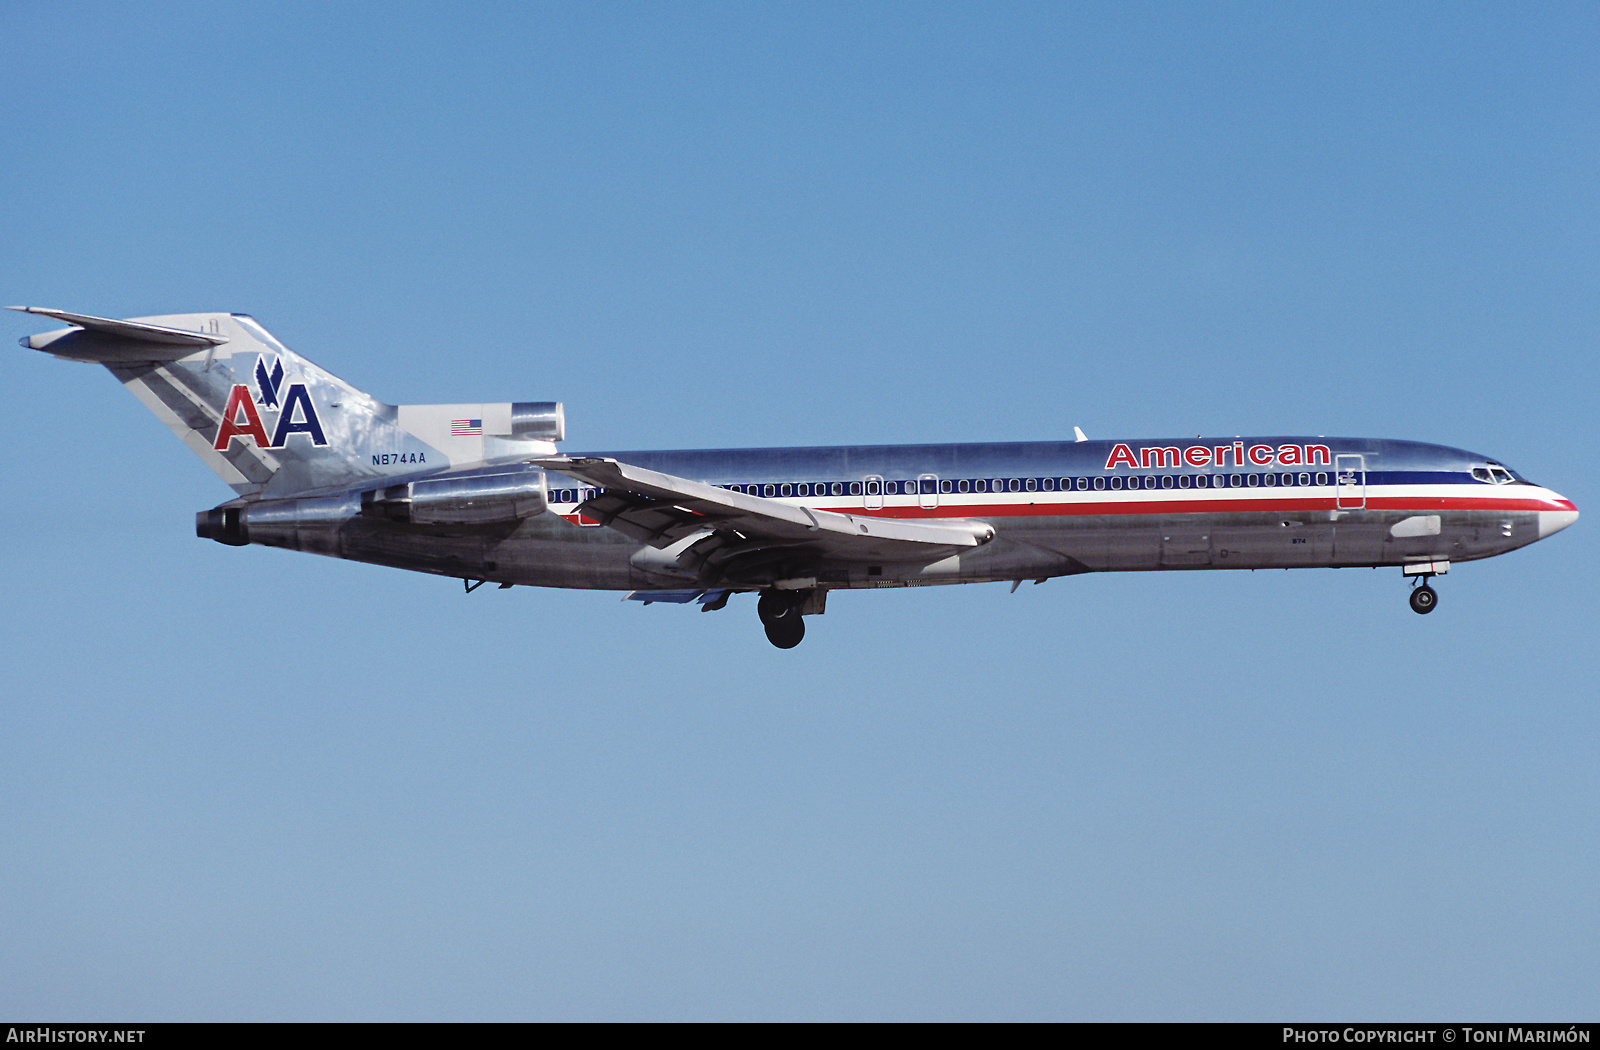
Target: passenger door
{"x":1350,"y":481}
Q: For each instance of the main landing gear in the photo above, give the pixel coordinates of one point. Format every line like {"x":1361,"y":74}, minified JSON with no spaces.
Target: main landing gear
{"x":1424,"y":598}
{"x":780,"y":615}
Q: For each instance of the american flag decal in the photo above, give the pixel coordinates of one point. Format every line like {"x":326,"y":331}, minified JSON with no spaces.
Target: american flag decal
{"x":466,"y":427}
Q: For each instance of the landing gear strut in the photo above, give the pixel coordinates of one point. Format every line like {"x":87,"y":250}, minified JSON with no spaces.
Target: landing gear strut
{"x":780,"y":615}
{"x":1424,"y":598}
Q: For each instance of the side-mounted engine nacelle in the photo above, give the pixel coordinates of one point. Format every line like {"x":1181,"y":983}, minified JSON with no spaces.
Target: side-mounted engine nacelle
{"x":310,"y":523}
{"x":487,"y":496}
{"x":480,"y":498}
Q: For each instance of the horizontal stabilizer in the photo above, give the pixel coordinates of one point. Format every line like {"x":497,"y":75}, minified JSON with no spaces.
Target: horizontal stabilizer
{"x":133,"y":331}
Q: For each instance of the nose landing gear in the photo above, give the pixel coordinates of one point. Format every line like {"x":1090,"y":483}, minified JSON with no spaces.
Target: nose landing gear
{"x":1424,"y":598}
{"x":780,"y":615}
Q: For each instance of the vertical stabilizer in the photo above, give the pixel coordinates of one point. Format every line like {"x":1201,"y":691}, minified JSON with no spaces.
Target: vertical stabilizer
{"x":265,"y":419}
{"x":271,"y":423}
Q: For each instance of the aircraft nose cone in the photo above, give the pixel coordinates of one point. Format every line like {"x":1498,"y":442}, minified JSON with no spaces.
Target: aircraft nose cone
{"x":1553,"y":521}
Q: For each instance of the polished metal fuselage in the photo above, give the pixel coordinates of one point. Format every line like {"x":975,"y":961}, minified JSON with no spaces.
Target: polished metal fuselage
{"x":478,"y":491}
{"x":1060,"y":510}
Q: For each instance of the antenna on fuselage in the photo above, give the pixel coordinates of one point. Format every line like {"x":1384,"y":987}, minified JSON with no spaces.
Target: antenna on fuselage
{"x":1081,"y":436}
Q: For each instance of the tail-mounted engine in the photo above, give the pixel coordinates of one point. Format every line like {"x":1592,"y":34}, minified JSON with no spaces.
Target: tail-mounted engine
{"x":487,"y":496}
{"x":479,"y":498}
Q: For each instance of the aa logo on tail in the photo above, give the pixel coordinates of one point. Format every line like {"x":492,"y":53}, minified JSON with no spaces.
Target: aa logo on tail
{"x":240,"y":419}
{"x":267,"y":383}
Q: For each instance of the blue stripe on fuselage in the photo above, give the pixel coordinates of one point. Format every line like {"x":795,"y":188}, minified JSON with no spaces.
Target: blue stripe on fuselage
{"x":1388,"y":462}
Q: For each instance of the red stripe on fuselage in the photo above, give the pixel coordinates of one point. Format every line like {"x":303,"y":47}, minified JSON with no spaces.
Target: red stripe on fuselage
{"x":1136,"y":506}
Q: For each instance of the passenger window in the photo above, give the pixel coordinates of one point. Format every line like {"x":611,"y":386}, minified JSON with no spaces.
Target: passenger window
{"x":1149,"y":481}
{"x":1238,"y":481}
{"x":1083,"y":483}
{"x":855,"y":488}
{"x":1305,"y":479}
{"x":1031,"y":484}
{"x":1322,"y":479}
{"x":1099,"y":483}
{"x":838,"y":488}
{"x":962,"y":486}
{"x":1184,"y":481}
{"x":1166,"y":481}
{"x":1255,"y":479}
{"x":787,"y":490}
{"x":944,"y":486}
{"x":1116,"y":482}
{"x":1269,"y":479}
{"x":769,"y":490}
{"x":1015,"y":485}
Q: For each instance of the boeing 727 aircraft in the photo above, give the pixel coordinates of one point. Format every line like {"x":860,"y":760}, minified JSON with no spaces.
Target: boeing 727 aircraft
{"x":480,"y":493}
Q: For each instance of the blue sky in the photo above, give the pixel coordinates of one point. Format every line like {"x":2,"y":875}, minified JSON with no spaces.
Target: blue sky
{"x":252,"y":784}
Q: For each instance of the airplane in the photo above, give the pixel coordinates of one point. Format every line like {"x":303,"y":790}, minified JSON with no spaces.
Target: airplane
{"x":480,"y":492}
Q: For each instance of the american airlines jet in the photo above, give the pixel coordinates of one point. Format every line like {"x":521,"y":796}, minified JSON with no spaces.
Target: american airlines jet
{"x":479,"y":492}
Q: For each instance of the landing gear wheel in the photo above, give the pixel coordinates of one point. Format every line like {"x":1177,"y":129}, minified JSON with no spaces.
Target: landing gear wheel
{"x":776,"y":607}
{"x":786,"y":634}
{"x":780,"y":615}
{"x":1424,"y":599}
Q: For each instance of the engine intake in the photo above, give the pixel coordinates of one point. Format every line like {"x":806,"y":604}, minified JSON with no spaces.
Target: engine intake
{"x":543,"y":420}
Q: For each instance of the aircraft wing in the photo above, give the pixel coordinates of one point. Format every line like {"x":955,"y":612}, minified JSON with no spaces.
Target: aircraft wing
{"x":662,"y":510}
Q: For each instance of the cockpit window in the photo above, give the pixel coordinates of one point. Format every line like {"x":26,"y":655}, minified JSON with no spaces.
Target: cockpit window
{"x":1493,"y":474}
